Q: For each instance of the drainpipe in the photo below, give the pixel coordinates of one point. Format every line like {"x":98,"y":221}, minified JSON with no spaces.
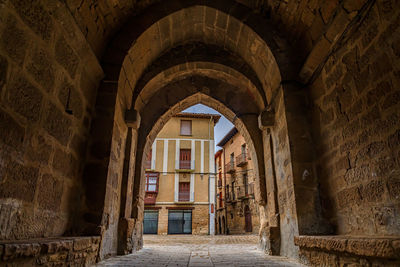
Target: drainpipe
{"x":226,"y":208}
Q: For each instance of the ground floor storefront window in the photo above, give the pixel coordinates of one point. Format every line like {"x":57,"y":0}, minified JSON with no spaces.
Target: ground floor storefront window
{"x":179,"y":222}
{"x":150,"y":222}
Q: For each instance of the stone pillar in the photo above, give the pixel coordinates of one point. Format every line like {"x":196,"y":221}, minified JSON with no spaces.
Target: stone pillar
{"x":302,"y":157}
{"x":127,"y":225}
{"x":269,"y":214}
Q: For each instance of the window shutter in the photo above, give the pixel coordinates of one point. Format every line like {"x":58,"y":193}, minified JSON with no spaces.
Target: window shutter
{"x":186,"y":127}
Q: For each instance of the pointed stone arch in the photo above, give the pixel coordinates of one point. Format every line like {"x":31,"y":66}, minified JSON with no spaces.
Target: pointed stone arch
{"x":256,"y":55}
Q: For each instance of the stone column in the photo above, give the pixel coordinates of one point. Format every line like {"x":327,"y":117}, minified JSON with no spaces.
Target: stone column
{"x":269,"y":214}
{"x":127,"y":225}
{"x":302,"y":156}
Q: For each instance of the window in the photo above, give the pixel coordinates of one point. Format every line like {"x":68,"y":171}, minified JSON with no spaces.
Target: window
{"x":244,"y":149}
{"x":151,"y":182}
{"x":233,"y":190}
{"x":232,"y":157}
{"x":245,"y":182}
{"x":184,"y":191}
{"x":186,"y":127}
{"x":185,"y":159}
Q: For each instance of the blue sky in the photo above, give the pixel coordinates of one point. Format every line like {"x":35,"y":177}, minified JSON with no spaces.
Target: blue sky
{"x":222,"y":127}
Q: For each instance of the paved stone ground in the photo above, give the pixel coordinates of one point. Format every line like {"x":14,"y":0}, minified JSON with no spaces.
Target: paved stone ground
{"x":181,"y":250}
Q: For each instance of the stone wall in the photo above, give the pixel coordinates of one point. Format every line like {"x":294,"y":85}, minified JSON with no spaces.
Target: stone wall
{"x":79,"y":251}
{"x":48,"y":83}
{"x":348,"y":251}
{"x":356,"y":120}
{"x":236,"y":216}
{"x":287,"y":219}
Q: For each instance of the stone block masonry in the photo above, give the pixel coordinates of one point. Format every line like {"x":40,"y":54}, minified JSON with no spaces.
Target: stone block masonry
{"x":67,"y":251}
{"x":48,"y":76}
{"x":358,"y":94}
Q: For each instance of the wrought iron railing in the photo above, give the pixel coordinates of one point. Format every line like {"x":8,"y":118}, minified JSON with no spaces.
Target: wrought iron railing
{"x":184,"y":196}
{"x":241,"y":159}
{"x":185,"y":164}
{"x":230,"y":167}
{"x":246,"y":190}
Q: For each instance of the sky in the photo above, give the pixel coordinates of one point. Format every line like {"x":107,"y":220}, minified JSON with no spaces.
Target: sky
{"x":221,"y":129}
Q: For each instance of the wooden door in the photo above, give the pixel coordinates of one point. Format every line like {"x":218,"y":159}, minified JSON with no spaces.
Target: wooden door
{"x":247,"y":217}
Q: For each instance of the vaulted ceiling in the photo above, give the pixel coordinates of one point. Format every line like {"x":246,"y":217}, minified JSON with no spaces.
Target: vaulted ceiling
{"x":308,"y":25}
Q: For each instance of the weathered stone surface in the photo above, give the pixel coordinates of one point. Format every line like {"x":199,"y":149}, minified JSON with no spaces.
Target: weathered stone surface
{"x":14,"y":136}
{"x":327,"y":10}
{"x":371,"y":247}
{"x":38,"y":149}
{"x":52,"y":247}
{"x":51,"y":190}
{"x":50,"y":252}
{"x":65,"y":163}
{"x":57,"y":124}
{"x":78,"y":145}
{"x":373,"y":191}
{"x":353,"y":141}
{"x":14,"y":41}
{"x":82,"y":243}
{"x":19,"y":182}
{"x":34,"y":15}
{"x":336,"y":250}
{"x":353,"y":5}
{"x":3,"y":71}
{"x":24,"y":98}
{"x":12,"y":251}
{"x":66,"y":56}
{"x":41,"y":69}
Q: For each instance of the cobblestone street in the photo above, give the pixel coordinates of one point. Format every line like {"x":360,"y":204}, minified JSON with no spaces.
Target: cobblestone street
{"x":182,"y":250}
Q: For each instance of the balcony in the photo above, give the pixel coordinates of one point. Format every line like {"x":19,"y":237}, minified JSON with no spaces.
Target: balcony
{"x":185,"y":166}
{"x":245,"y":191}
{"x":251,"y":189}
{"x":230,"y":197}
{"x":219,"y":183}
{"x":241,"y":160}
{"x":184,"y":196}
{"x":230,"y":167}
{"x":150,"y":198}
{"x":241,"y":193}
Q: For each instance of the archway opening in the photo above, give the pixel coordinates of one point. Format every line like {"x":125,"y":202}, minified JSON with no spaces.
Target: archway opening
{"x":186,"y":183}
{"x":151,"y":77}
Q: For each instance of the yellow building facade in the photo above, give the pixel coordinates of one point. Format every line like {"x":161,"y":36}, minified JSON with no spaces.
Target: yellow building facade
{"x":180,"y":177}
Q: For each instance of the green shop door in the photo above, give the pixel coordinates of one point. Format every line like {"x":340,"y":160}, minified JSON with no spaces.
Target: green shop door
{"x":150,"y":222}
{"x":180,"y":222}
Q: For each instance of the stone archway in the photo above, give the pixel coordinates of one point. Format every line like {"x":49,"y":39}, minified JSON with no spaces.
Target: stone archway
{"x":136,"y":72}
{"x":322,"y":74}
